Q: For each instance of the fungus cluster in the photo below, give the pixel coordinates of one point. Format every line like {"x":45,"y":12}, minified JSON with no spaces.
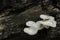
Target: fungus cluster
{"x":46,"y":22}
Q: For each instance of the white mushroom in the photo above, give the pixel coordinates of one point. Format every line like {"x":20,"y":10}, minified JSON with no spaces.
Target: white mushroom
{"x":50,"y":22}
{"x":33,"y":27}
{"x":30,"y":31}
{"x":39,"y":25}
{"x":32,"y":24}
{"x":44,"y":17}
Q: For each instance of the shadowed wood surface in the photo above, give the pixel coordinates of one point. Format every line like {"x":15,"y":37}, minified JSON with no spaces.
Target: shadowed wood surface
{"x":15,"y":13}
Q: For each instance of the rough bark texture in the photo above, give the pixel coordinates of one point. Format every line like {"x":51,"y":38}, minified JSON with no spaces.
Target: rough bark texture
{"x":15,"y":13}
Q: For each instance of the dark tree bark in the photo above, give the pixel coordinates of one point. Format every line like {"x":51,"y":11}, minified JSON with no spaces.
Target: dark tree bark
{"x":15,"y":13}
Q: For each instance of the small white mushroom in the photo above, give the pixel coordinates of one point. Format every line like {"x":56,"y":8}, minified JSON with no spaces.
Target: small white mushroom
{"x":50,"y":22}
{"x":33,"y":27}
{"x":32,"y":24}
{"x":39,"y":25}
{"x":30,"y":31}
{"x":44,"y":17}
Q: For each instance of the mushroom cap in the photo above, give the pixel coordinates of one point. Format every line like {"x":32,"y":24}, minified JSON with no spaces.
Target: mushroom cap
{"x":34,"y":25}
{"x":30,"y":23}
{"x":44,"y":17}
{"x":49,"y":23}
{"x":30,"y":31}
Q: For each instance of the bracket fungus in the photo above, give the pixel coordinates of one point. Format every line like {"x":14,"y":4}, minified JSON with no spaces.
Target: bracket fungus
{"x":33,"y":28}
{"x":48,"y":21}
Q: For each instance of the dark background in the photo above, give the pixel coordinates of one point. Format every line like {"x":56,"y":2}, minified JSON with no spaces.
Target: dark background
{"x":15,"y":13}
